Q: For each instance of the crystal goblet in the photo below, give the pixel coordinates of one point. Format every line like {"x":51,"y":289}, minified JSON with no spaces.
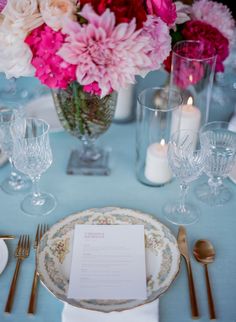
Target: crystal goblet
{"x":220,"y":146}
{"x":186,"y":161}
{"x":15,"y":182}
{"x":32,"y":155}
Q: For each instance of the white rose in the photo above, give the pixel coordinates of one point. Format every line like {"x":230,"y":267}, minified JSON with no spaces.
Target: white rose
{"x":55,"y":11}
{"x":15,"y":54}
{"x":23,"y":14}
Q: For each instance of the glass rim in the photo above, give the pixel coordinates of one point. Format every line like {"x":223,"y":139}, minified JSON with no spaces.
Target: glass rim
{"x":5,"y":109}
{"x":38,"y":136}
{"x":189,"y":58}
{"x":183,"y":130}
{"x":160,"y":109}
{"x":214,"y":123}
{"x":197,"y":132}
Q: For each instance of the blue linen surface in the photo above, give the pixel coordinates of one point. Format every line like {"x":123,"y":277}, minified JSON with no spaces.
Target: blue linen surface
{"x":121,"y":188}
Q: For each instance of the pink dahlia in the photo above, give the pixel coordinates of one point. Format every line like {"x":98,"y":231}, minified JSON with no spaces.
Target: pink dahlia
{"x":211,"y":37}
{"x":104,"y":53}
{"x":165,"y":9}
{"x":51,"y":69}
{"x":160,"y":41}
{"x":215,"y":14}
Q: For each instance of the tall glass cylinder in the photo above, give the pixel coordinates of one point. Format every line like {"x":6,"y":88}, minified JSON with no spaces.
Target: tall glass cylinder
{"x":156,"y":120}
{"x":192,"y":74}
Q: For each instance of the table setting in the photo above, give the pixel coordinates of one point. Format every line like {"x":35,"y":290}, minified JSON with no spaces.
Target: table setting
{"x":117,"y":162}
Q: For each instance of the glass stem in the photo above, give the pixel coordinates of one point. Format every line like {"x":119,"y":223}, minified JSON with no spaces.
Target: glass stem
{"x":215,"y":183}
{"x":14,"y":177}
{"x":184,"y":189}
{"x":35,"y":188}
{"x":90,"y":152}
{"x":78,"y":107}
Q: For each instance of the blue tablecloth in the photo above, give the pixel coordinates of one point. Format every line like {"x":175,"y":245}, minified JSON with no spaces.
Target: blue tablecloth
{"x":121,"y":188}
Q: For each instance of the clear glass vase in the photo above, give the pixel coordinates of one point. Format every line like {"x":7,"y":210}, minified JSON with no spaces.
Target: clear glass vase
{"x":86,"y":117}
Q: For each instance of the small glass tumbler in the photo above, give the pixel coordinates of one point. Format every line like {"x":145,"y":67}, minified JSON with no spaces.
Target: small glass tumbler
{"x":192,"y":75}
{"x":157,"y":119}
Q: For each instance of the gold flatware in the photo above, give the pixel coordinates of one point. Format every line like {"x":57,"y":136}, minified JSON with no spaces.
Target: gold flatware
{"x":183,"y":247}
{"x":41,"y":229}
{"x":205,"y":254}
{"x":22,"y":252}
{"x":6,"y":237}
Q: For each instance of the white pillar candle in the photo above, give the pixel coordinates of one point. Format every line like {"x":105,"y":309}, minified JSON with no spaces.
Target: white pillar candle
{"x":189,"y":116}
{"x":157,"y":169}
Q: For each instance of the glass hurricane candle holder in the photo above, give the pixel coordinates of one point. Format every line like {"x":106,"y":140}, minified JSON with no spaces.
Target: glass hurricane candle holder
{"x":192,"y":74}
{"x":155,"y":123}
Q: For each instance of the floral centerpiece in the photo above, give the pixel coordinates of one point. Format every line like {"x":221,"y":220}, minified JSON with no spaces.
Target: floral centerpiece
{"x":85,"y":51}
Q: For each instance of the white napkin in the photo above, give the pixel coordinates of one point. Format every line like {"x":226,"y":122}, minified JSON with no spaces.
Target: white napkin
{"x":145,"y":313}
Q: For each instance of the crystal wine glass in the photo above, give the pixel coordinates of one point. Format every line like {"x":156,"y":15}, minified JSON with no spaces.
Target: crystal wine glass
{"x":32,"y":155}
{"x":186,"y":161}
{"x":220,"y":145}
{"x":15,"y":183}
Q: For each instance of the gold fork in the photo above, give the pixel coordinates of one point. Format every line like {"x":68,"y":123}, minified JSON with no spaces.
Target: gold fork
{"x":22,"y":251}
{"x":41,"y":229}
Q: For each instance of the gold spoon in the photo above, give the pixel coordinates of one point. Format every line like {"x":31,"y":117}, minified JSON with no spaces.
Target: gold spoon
{"x":205,"y":254}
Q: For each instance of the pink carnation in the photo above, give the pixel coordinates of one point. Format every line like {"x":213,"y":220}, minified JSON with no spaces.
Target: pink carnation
{"x":211,"y":37}
{"x":92,"y":88}
{"x":51,"y":69}
{"x":104,"y":53}
{"x":165,"y":9}
{"x":215,"y":14}
{"x":160,"y":41}
{"x":2,"y":4}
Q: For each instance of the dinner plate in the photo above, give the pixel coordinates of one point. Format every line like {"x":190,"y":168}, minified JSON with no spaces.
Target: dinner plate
{"x":43,"y":108}
{"x":3,"y":255}
{"x":54,"y":255}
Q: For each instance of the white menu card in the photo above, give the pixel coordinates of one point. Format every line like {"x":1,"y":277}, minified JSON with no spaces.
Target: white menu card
{"x":108,"y":263}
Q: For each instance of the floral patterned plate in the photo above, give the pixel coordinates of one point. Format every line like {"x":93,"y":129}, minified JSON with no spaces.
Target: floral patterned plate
{"x":55,"y":251}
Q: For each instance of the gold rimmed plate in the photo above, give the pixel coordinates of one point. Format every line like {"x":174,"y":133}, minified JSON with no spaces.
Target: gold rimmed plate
{"x":54,"y":255}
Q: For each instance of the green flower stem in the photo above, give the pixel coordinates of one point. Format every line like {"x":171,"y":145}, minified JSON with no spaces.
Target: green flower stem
{"x":77,"y":104}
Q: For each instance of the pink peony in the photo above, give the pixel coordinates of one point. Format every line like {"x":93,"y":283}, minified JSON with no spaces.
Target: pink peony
{"x":51,"y":69}
{"x":215,"y":14}
{"x":160,"y":41}
{"x":165,"y":9}
{"x":211,"y":37}
{"x":104,"y":53}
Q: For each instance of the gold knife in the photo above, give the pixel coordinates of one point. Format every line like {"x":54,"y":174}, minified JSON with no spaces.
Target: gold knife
{"x":183,"y":247}
{"x":7,"y":237}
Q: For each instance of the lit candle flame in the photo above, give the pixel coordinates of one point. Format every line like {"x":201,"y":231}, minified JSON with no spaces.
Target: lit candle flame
{"x":162,"y":142}
{"x":190,"y":101}
{"x":191,"y":78}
